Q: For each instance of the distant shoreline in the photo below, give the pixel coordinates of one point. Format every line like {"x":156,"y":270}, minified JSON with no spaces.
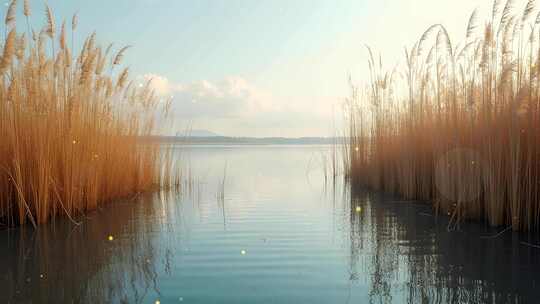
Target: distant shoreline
{"x":217,"y":140}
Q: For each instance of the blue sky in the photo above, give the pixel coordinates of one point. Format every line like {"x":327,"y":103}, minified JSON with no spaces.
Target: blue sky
{"x":189,"y":40}
{"x":257,"y":68}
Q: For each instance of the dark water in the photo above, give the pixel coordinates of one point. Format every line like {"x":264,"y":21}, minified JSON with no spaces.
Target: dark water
{"x":280,"y":235}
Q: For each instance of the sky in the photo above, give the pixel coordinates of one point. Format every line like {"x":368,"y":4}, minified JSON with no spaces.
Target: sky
{"x":259,"y":68}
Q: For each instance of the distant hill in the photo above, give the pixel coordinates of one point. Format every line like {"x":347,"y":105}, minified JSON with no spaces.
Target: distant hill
{"x":197,"y":133}
{"x":247,"y":140}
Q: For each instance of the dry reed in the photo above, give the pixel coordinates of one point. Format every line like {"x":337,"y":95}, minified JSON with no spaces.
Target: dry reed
{"x":459,"y":124}
{"x":70,"y":127}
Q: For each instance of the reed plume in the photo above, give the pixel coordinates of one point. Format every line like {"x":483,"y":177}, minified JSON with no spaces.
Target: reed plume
{"x":118,"y":58}
{"x":10,"y":15}
{"x":51,"y":27}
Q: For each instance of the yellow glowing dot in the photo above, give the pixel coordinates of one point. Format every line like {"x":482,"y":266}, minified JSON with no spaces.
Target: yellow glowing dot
{"x":110,"y":238}
{"x":74,"y":142}
{"x":358,"y":209}
{"x":158,"y":302}
{"x":356,"y":149}
{"x":243,"y":252}
{"x":41,"y":276}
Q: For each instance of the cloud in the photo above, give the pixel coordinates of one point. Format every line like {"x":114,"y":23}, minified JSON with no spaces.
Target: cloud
{"x":234,"y":106}
{"x":161,"y":84}
{"x":230,"y":97}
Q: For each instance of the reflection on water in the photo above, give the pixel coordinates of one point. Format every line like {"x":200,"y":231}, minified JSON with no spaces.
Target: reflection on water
{"x":414,"y":259}
{"x":112,"y":256}
{"x":270,"y":232}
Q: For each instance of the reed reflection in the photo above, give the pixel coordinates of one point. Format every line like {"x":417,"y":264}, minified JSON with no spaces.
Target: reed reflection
{"x":112,"y":256}
{"x":395,"y":242}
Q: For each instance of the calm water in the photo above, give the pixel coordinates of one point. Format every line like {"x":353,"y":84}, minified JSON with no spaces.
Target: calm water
{"x":280,"y":235}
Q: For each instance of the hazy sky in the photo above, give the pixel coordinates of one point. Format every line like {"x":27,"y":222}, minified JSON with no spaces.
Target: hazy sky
{"x":259,"y":68}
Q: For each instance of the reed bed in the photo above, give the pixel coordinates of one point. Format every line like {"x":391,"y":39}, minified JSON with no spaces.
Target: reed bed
{"x":71,"y":125}
{"x":458,"y":124}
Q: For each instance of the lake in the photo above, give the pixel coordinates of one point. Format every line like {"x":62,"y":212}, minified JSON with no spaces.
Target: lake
{"x":262,"y":224}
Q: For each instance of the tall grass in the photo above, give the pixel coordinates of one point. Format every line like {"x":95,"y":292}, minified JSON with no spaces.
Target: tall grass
{"x":70,"y":125}
{"x":459,"y":124}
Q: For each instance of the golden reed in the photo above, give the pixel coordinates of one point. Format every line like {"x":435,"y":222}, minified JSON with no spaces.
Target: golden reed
{"x":71,"y":126}
{"x":459,"y":125}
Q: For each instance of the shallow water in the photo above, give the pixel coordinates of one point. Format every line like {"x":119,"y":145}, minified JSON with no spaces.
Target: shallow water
{"x":280,"y":235}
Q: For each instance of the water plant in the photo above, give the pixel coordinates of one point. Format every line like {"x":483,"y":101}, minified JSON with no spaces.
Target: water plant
{"x":71,"y":125}
{"x":458,"y":125}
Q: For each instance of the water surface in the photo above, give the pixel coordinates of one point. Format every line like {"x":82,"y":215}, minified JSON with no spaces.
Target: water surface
{"x":277,"y":232}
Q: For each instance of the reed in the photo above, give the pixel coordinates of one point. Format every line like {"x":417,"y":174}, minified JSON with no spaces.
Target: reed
{"x":458,"y":125}
{"x":70,"y":125}
{"x":221,"y":186}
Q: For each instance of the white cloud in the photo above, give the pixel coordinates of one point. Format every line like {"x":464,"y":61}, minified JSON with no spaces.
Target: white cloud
{"x":234,"y":106}
{"x":160,"y":84}
{"x":230,"y":97}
